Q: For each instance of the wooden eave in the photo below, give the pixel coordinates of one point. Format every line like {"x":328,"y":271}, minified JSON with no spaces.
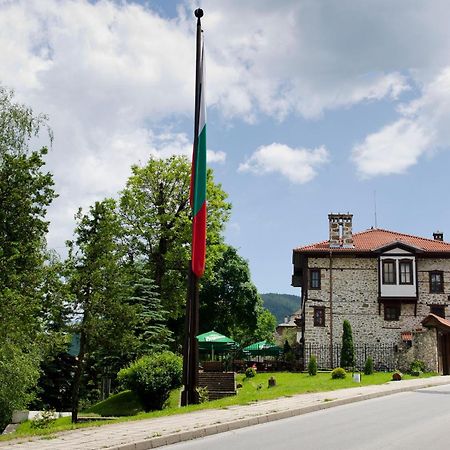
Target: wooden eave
{"x":434,"y":321}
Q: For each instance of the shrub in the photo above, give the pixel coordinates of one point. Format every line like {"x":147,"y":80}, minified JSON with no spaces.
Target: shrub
{"x":152,"y":378}
{"x":250,"y":372}
{"x":368,"y":366}
{"x":348,"y":349}
{"x":416,"y":367}
{"x":338,"y":373}
{"x":203,"y":394}
{"x":312,"y":365}
{"x":44,"y":419}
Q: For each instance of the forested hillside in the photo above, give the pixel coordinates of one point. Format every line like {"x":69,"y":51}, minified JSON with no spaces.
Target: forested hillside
{"x":281,"y":305}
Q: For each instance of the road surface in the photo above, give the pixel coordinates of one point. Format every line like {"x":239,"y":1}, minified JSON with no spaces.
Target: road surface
{"x":419,"y":419}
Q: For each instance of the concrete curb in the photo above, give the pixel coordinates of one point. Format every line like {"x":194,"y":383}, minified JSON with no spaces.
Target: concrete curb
{"x":159,"y":441}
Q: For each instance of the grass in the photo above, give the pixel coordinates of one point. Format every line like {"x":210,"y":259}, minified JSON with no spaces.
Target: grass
{"x":253,"y":390}
{"x":125,"y":403}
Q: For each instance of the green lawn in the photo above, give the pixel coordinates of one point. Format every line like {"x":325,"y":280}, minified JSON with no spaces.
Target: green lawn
{"x":253,"y":390}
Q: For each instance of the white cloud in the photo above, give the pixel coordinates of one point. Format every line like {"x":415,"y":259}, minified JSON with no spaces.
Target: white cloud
{"x":421,"y":129}
{"x":392,"y":150}
{"x":111,"y":75}
{"x":297,"y":165}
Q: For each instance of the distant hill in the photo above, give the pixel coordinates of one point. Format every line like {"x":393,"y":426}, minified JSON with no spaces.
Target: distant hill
{"x":281,"y":305}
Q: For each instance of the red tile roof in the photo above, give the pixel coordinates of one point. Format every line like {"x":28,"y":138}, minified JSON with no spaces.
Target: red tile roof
{"x":435,"y":321}
{"x":375,"y":238}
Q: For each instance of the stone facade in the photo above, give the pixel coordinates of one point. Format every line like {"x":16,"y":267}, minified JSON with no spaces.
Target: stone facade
{"x":384,"y":283}
{"x":424,"y":348}
{"x":354,"y":296}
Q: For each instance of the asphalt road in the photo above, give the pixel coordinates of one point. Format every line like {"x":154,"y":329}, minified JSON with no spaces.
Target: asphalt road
{"x":419,"y":419}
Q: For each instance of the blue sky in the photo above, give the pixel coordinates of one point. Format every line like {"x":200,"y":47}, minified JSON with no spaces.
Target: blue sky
{"x":314,"y":106}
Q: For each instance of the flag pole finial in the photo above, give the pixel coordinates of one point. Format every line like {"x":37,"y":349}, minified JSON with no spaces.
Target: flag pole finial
{"x":198,"y":13}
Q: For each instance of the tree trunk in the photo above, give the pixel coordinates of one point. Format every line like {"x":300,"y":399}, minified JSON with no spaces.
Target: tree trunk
{"x":77,"y":378}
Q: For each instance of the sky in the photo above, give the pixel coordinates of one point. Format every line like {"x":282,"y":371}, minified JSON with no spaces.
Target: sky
{"x":313,"y":107}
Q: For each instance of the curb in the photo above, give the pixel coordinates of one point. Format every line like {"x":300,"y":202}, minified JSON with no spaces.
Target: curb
{"x":182,"y":436}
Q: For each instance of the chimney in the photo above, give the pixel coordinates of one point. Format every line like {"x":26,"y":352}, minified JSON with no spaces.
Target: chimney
{"x":438,"y":236}
{"x":341,"y":235}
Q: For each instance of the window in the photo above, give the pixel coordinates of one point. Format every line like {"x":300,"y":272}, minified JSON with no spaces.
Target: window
{"x":389,"y":271}
{"x":406,"y":276}
{"x":439,"y":310}
{"x":391,"y":312}
{"x":314,"y":278}
{"x":319,"y":316}
{"x":436,"y":281}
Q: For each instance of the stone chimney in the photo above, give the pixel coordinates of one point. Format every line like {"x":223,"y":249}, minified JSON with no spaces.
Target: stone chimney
{"x":438,"y":236}
{"x":341,"y":235}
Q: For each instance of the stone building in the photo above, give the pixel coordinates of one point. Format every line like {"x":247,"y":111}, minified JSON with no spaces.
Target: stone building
{"x":393,"y":288}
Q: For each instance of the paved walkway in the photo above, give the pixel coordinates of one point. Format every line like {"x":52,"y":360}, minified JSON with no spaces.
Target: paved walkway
{"x":152,"y":433}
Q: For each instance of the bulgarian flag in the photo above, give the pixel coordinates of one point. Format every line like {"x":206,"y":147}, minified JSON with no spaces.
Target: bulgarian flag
{"x":198,"y":179}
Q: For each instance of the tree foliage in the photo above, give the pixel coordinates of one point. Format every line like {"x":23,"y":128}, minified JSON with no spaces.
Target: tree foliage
{"x":348,"y":349}
{"x":26,"y":191}
{"x":157,"y":220}
{"x":230,"y":304}
{"x":150,"y":329}
{"x":152,"y":378}
{"x":281,"y":305}
{"x":99,"y":285}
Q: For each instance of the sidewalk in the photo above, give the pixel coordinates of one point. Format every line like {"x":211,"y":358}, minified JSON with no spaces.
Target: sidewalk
{"x":153,"y":433}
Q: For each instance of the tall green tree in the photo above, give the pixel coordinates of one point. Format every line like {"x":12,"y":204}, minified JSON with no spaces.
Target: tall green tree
{"x":100,"y":285}
{"x":156,"y":216}
{"x":26,"y":191}
{"x":230,"y":303}
{"x":348,"y":349}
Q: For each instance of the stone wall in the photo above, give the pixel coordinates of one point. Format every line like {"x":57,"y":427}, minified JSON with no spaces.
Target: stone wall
{"x":355,"y":298}
{"x":424,"y":348}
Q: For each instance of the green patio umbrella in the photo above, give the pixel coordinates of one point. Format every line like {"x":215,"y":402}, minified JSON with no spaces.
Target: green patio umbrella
{"x":213,"y":341}
{"x":263,"y":348}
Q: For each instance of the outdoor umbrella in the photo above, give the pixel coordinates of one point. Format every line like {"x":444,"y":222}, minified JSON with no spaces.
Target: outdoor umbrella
{"x":213,"y":341}
{"x":263,"y":348}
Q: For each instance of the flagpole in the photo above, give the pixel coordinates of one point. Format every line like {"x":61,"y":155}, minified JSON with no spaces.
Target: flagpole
{"x":189,"y":395}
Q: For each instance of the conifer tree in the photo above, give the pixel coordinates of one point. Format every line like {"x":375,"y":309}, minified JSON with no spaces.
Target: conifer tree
{"x":348,"y":349}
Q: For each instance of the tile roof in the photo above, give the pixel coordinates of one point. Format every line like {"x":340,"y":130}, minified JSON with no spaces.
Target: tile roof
{"x":437,"y":322}
{"x":375,"y":238}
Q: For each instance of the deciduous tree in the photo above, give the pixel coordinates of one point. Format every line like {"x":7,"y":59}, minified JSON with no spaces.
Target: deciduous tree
{"x":26,"y":191}
{"x":156,"y":216}
{"x":99,"y":285}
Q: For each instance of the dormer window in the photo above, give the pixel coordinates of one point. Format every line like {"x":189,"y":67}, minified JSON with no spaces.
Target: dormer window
{"x":405,"y":267}
{"x":389,"y":272}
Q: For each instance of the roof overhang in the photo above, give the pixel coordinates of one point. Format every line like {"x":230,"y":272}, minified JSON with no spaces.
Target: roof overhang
{"x":434,"y":321}
{"x":398,"y":244}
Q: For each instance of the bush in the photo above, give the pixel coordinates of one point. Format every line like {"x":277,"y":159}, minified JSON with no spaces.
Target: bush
{"x":417,"y":367}
{"x":203,"y":394}
{"x":250,"y":372}
{"x":368,"y":366}
{"x":44,"y":420}
{"x":312,"y":365}
{"x":152,"y":378}
{"x":338,"y":373}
